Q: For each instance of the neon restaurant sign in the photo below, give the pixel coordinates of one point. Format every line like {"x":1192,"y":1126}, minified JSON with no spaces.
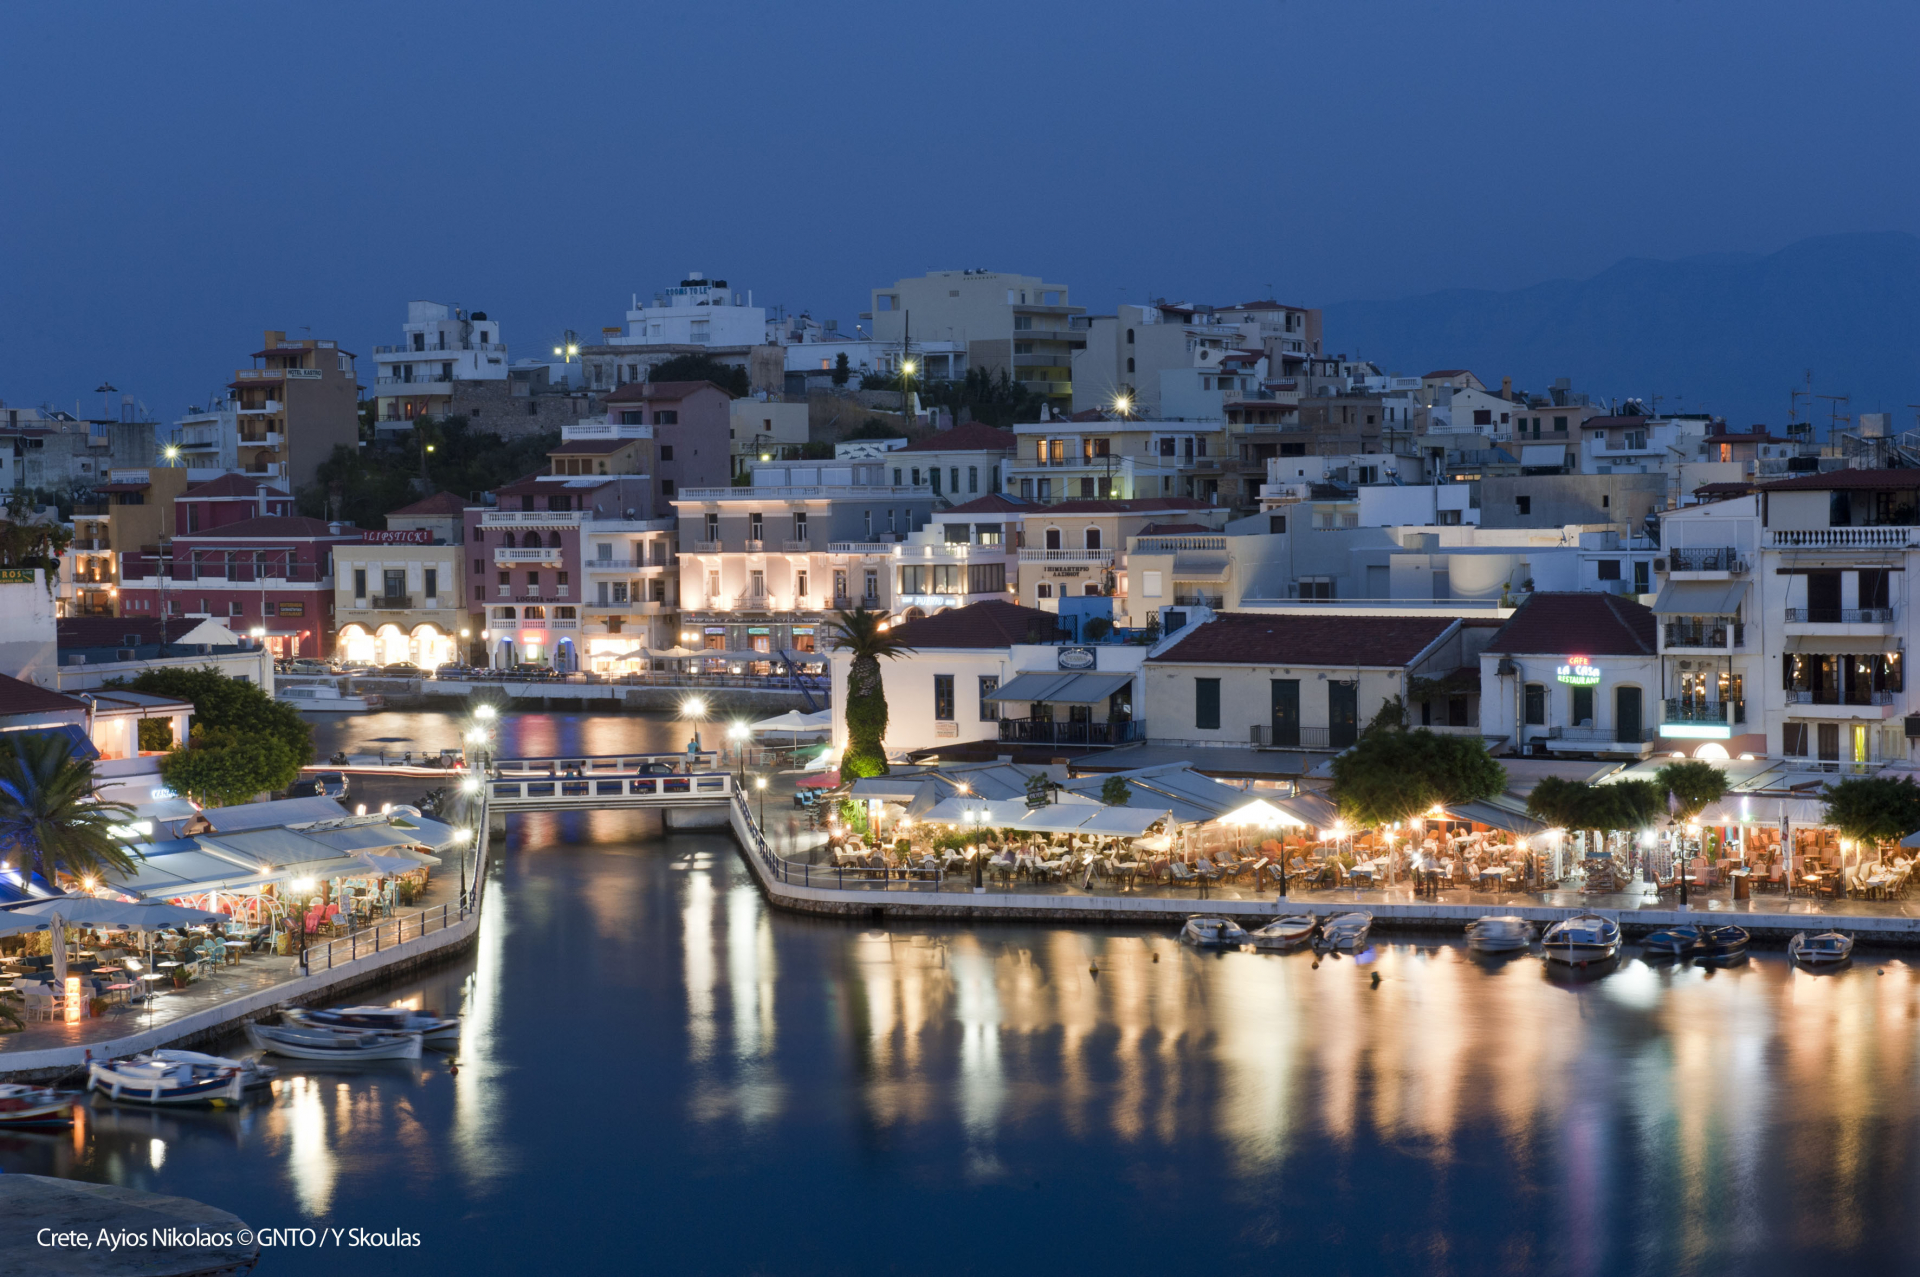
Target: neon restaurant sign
{"x":1579,"y":672}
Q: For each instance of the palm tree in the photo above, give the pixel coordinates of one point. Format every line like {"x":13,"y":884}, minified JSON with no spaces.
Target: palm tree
{"x":862,"y":633}
{"x":48,"y":812}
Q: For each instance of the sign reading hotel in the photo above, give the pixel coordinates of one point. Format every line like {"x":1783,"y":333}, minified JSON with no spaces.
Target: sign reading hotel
{"x":370,"y":536}
{"x":1579,"y":672}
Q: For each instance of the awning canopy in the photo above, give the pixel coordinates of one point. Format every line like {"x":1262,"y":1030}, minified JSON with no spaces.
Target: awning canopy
{"x":1700,"y":598}
{"x":1309,"y":808}
{"x":1543,"y":454}
{"x":1496,"y":817}
{"x":1124,"y":822}
{"x":1061,"y":689}
{"x":1835,"y":645}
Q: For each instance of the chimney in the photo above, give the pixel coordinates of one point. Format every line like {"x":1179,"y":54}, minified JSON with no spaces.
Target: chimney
{"x":1506,"y":387}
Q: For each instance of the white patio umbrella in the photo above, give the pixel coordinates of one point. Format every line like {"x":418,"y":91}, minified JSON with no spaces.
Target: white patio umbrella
{"x":90,"y":911}
{"x":59,"y":951}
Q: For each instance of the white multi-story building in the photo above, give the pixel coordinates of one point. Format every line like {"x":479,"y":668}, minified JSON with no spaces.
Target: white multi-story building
{"x":1095,"y":457}
{"x":439,"y":345}
{"x":696,"y":312}
{"x":1785,"y":619}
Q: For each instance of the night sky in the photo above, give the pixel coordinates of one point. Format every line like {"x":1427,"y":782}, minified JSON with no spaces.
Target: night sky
{"x":182,"y":177}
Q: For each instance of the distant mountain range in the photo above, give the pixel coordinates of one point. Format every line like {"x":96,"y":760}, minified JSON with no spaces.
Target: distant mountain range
{"x":1724,"y":333}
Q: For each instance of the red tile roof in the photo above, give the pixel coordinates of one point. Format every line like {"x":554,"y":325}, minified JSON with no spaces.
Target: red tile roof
{"x":438,"y":503}
{"x":1176,"y":529}
{"x":991,"y":624}
{"x":1268,"y":638}
{"x":1852,"y":480}
{"x":994,"y":503}
{"x":590,"y":447}
{"x":972,"y":436}
{"x":232,"y":485}
{"x":1088,"y":414}
{"x":668,"y":391}
{"x":1584,"y":623}
{"x":17,"y":697}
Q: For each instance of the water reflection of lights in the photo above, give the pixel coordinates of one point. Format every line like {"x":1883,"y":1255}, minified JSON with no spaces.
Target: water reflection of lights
{"x":477,"y":1086}
{"x":309,"y":1153}
{"x":156,"y":1153}
{"x":1635,"y":985}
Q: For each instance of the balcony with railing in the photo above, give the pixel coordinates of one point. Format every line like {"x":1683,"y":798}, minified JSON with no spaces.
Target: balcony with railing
{"x":1705,"y":713}
{"x":1066,"y":556}
{"x":532,"y":518}
{"x":1267,"y":736}
{"x":862,"y":547}
{"x":1214,"y":601}
{"x":1721,"y":636}
{"x":1839,"y":616}
{"x":708,"y":547}
{"x":1890,"y":537}
{"x":1035,"y":731}
{"x":1840,"y":699}
{"x":1722,"y":560}
{"x":530,"y":554}
{"x":420,"y":379}
{"x":1173,"y":545}
{"x":387,"y":602}
{"x":1601,"y":738}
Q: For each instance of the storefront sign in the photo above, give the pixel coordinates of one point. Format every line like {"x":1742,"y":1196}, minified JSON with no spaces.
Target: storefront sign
{"x":1696,"y":731}
{"x":1077,"y":658}
{"x":1065,"y":569}
{"x":1579,"y":672}
{"x":16,"y":576}
{"x":716,"y":629}
{"x":371,"y":537}
{"x":758,"y":629}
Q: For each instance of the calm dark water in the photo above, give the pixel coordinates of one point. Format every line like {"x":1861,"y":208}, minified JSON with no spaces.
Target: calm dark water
{"x":661,"y":1074}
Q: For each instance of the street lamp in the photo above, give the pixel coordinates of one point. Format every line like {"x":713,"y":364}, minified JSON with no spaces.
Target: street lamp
{"x":760,"y":783}
{"x":693,"y":710}
{"x":738,"y":734}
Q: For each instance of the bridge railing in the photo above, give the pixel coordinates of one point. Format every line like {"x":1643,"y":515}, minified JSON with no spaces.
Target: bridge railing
{"x":837,"y":877}
{"x":643,"y":764}
{"x":590,"y":788}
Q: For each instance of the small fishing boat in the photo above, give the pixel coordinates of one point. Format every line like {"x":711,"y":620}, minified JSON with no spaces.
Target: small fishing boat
{"x":1722,"y":943}
{"x":147,"y":1079}
{"x":304,"y":1043}
{"x":1212,"y":933}
{"x":1285,"y":932}
{"x":1503,"y":933}
{"x":432,"y":1027}
{"x":35,"y":1107}
{"x":325,"y":698}
{"x":254,"y":1074}
{"x":1829,"y":949}
{"x":1347,"y":931}
{"x":1583,"y":940}
{"x":1671,"y":942}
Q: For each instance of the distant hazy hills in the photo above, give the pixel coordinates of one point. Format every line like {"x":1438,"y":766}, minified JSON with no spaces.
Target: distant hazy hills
{"x":1724,"y":333}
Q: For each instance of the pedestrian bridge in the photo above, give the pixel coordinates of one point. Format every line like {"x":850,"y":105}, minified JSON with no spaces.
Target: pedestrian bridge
{"x":685,"y":786}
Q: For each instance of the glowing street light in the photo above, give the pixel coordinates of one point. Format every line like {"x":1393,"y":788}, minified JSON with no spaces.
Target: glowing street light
{"x":484,"y":712}
{"x":760,"y":783}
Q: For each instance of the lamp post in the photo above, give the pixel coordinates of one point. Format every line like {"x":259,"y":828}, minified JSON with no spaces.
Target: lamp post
{"x":760,"y":783}
{"x":738,"y":734}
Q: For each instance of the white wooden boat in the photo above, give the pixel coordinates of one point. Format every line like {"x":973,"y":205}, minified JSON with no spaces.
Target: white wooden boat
{"x":254,"y":1074}
{"x":432,"y":1027}
{"x":1829,"y":949}
{"x":325,"y":698}
{"x":1582,"y":941}
{"x":1212,"y":933}
{"x":1348,"y":931}
{"x":145,"y":1079}
{"x":35,"y":1107}
{"x":303,"y":1043}
{"x":1286,"y":931}
{"x":1503,"y":933}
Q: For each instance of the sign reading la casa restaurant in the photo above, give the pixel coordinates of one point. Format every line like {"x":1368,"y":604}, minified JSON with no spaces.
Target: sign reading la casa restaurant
{"x":1579,"y":671}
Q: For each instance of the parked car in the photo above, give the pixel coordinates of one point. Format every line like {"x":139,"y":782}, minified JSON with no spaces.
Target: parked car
{"x":332,"y":784}
{"x":402,"y":669}
{"x":359,"y":669}
{"x":306,"y":788}
{"x":307,"y":665}
{"x":528,"y":671}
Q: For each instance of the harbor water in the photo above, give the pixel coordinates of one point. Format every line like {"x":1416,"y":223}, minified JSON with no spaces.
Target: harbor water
{"x":660,"y":1073}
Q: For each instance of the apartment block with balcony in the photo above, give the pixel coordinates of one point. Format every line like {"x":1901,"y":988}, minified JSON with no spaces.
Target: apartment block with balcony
{"x":1126,"y":353}
{"x":399,"y":594}
{"x":258,"y":569}
{"x":960,"y":464}
{"x":761,"y":567}
{"x":1095,"y":456}
{"x":1080,"y":547}
{"x":439,"y":345}
{"x":1019,"y":324}
{"x":298,"y":402}
{"x":89,"y":573}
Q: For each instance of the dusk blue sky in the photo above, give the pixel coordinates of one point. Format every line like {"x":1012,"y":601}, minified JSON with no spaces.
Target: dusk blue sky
{"x":183,"y":176}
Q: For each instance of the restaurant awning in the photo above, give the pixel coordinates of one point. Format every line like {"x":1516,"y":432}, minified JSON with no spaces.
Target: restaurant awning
{"x":1061,"y":689}
{"x":1543,"y":454}
{"x":1493,"y":816}
{"x":1124,"y":822}
{"x":1700,"y":598}
{"x":1844,"y":644}
{"x":1309,"y":808}
{"x":1031,"y":687}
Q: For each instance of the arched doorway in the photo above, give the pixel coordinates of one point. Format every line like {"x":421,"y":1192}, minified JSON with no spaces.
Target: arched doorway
{"x":354,"y":645}
{"x":391,"y":645}
{"x":431,"y":646}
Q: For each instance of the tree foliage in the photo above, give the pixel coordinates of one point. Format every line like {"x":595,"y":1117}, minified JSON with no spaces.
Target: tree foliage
{"x":860,"y":632}
{"x":1574,"y":804}
{"x":361,"y":485}
{"x":1873,"y":809}
{"x":729,"y":378}
{"x":48,"y":813}
{"x":1114,"y":791}
{"x":219,"y":768}
{"x":842,"y":370}
{"x":1694,"y":784}
{"x":874,"y":428}
{"x":1393,"y":774}
{"x":243,"y":741}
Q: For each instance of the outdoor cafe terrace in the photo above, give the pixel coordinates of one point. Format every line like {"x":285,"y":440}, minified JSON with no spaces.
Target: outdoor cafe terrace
{"x":967,"y":828}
